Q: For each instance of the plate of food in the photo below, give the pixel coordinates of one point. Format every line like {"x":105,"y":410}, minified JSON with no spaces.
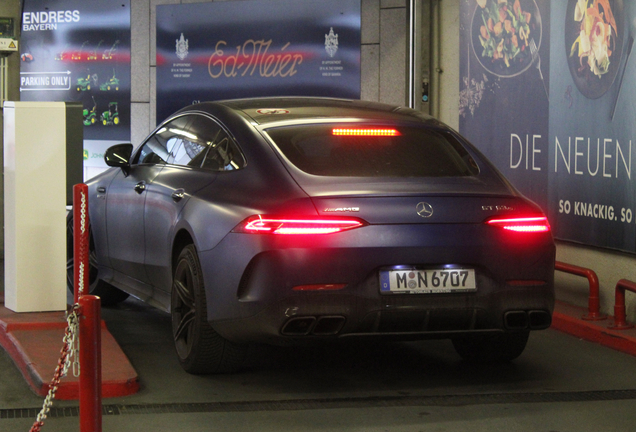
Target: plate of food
{"x":502,"y":33}
{"x":594,"y":37}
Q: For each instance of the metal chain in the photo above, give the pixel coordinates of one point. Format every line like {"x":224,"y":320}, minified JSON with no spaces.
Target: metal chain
{"x":84,"y":246}
{"x":80,"y":288}
{"x":68,"y":351}
{"x":83,"y":213}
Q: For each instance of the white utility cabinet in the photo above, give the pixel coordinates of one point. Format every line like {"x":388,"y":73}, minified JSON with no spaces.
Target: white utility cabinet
{"x":35,"y":199}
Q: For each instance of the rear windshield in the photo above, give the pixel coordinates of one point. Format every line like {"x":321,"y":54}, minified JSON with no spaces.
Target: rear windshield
{"x":356,"y":152}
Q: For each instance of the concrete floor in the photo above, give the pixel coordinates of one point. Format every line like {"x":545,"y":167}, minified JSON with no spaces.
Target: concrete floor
{"x":560,"y":383}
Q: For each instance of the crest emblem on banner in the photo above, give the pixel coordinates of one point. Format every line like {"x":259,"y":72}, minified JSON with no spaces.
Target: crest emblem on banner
{"x":182,"y":47}
{"x":331,"y":43}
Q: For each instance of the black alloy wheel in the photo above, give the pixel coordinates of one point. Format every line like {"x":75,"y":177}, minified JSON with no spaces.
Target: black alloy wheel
{"x":201,"y":350}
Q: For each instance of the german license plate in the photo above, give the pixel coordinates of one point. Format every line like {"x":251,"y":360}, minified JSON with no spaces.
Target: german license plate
{"x":427,"y":281}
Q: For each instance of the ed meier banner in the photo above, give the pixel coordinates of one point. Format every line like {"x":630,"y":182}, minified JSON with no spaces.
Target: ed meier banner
{"x":227,"y":50}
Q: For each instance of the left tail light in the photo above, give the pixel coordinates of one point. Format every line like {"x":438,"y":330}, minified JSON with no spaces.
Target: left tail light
{"x":526,"y":224}
{"x":261,"y":224}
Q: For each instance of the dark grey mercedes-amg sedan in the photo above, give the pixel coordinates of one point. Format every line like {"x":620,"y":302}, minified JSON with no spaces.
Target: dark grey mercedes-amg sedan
{"x":293,"y":220}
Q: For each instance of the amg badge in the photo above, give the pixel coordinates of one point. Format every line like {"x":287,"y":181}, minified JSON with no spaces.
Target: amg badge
{"x":342,"y":209}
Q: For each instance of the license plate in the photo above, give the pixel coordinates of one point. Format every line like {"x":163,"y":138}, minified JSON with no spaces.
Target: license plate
{"x":427,"y":281}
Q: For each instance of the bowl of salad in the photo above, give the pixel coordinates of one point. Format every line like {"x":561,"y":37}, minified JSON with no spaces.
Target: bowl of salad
{"x":502,"y":32}
{"x":594,"y":37}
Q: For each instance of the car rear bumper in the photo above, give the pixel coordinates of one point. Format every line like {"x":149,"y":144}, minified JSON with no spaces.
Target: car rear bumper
{"x":321,"y":315}
{"x":254,"y":300}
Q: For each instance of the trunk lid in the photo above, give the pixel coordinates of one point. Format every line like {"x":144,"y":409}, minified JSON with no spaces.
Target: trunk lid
{"x":424,"y":209}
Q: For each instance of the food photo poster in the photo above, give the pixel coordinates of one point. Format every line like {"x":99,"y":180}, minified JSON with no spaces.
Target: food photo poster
{"x":547,"y":93}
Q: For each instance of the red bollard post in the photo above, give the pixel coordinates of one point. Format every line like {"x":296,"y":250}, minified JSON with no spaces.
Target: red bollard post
{"x":594,"y":300}
{"x":90,"y":332}
{"x":80,"y":240}
{"x":90,"y":380}
{"x":620,"y":316}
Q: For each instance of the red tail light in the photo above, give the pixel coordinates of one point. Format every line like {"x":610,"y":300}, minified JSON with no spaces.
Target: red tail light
{"x":365,"y":132}
{"x":260,"y":224}
{"x":533,"y":224}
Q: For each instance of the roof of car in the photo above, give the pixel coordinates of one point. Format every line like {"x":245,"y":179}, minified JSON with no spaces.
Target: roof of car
{"x":273,"y":110}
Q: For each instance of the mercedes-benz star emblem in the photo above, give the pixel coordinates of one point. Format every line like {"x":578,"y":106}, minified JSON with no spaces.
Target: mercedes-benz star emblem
{"x":424,"y":209}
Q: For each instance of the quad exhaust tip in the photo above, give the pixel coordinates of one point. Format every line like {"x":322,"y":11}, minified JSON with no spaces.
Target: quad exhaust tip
{"x":527,"y":320}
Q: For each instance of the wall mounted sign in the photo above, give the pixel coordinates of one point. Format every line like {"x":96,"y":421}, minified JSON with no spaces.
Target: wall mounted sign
{"x":549,"y":99}
{"x":226,"y":50}
{"x":74,"y":50}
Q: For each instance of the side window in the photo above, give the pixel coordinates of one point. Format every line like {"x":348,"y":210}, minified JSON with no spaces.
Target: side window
{"x":224,"y":154}
{"x":220,"y":153}
{"x":163,"y":144}
{"x":195,"y":142}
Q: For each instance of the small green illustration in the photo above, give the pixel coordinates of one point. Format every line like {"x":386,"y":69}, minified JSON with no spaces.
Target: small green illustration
{"x":90,"y":117}
{"x":112,"y":83}
{"x":110,"y":117}
{"x":93,"y":54}
{"x":108,"y":54}
{"x":84,"y":84}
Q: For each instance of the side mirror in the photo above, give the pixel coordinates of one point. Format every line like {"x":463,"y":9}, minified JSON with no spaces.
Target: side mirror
{"x":119,"y":156}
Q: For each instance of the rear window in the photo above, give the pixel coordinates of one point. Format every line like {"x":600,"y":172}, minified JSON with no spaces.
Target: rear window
{"x":354,"y":151}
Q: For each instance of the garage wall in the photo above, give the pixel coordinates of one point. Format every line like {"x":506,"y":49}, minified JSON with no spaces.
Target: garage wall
{"x":384,"y":26}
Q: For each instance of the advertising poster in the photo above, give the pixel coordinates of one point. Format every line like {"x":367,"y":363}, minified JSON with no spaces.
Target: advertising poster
{"x":557,"y":120}
{"x":226,"y":50}
{"x":74,"y":51}
{"x":504,"y":104}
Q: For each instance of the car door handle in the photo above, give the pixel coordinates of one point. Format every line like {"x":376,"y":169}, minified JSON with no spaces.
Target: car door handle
{"x":101,"y":192}
{"x":178,"y":195}
{"x":140,"y":187}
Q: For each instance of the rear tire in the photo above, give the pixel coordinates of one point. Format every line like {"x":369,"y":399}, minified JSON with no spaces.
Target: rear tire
{"x":501,"y":347}
{"x":108,"y":294}
{"x":200,"y":349}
